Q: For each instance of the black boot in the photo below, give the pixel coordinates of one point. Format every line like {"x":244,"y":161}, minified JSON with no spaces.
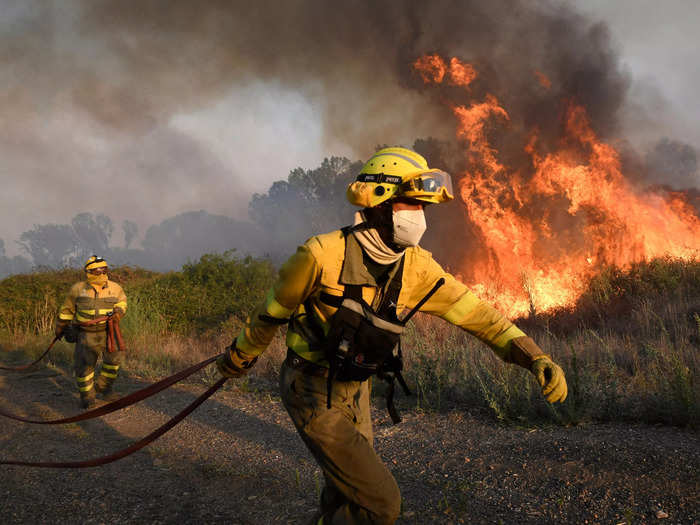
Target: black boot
{"x":108,"y":394}
{"x":87,"y":399}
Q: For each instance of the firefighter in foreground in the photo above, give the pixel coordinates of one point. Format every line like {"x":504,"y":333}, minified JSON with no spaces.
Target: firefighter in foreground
{"x":344,"y":295}
{"x":94,"y":298}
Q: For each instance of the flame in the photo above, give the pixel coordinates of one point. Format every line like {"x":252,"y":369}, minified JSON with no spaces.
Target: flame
{"x":543,"y":79}
{"x":433,"y":69}
{"x":550,"y":226}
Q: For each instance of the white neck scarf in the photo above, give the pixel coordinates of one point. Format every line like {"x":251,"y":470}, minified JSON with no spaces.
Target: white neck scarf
{"x":373,"y":244}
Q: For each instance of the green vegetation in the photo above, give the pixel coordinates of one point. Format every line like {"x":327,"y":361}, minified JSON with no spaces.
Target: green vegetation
{"x":629,"y":348}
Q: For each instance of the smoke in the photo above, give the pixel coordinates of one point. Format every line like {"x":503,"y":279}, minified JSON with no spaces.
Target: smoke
{"x":675,"y":163}
{"x":351,"y":59}
{"x":94,"y":89}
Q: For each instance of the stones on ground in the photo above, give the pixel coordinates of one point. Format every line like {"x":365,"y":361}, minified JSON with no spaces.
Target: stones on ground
{"x":661,"y":514}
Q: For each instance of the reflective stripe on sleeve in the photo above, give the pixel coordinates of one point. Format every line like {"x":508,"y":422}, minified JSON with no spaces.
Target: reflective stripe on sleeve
{"x":506,"y":337}
{"x":122,"y":305}
{"x":275,"y":309}
{"x":85,"y":379}
{"x":85,"y":388}
{"x":110,"y":367}
{"x":108,"y":374}
{"x":461,"y":308}
{"x":65,"y":317}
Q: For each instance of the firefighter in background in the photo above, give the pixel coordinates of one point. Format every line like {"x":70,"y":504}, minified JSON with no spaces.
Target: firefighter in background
{"x":342,"y":294}
{"x":87,"y":300}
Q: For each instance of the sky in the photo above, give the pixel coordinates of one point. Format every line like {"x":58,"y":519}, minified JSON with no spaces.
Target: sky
{"x":659,"y":45}
{"x":142,"y":111}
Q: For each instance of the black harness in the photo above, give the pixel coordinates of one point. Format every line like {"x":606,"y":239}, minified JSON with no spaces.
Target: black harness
{"x":361,"y":340}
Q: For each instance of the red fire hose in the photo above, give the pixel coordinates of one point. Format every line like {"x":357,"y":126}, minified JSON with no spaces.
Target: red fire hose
{"x":96,"y":462}
{"x":24,"y":367}
{"x":123,"y":402}
{"x":114,"y":334}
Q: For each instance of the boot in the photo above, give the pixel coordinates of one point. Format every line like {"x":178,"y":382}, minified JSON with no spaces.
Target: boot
{"x":104,"y":382}
{"x":106,"y":392}
{"x":87,"y":399}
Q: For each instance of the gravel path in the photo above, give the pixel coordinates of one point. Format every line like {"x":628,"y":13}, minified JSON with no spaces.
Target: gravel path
{"x":237,"y":459}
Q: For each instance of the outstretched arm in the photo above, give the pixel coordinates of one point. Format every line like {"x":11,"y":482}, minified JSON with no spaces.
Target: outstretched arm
{"x":297,"y":279}
{"x":456,"y":304}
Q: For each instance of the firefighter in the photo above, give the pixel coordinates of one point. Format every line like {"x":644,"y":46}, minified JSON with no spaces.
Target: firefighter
{"x":88,"y":300}
{"x":343,"y":295}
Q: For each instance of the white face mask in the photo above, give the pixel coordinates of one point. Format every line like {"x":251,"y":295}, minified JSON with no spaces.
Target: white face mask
{"x":409,"y":227}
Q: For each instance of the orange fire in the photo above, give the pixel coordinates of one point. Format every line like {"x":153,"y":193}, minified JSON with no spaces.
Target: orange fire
{"x":543,"y":79}
{"x":549,"y":227}
{"x":433,"y":69}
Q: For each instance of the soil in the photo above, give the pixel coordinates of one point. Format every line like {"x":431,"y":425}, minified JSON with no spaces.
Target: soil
{"x":237,"y":459}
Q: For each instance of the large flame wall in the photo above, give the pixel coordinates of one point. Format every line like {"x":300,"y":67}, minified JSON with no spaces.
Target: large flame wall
{"x":548,"y":225}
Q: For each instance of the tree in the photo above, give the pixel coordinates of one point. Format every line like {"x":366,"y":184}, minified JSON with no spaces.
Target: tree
{"x":51,"y":245}
{"x":130,"y":229}
{"x":307,"y":203}
{"x":188,"y":236}
{"x":92,"y":233}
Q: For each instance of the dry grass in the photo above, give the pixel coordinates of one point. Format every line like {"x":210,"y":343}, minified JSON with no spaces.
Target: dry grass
{"x":630,"y":351}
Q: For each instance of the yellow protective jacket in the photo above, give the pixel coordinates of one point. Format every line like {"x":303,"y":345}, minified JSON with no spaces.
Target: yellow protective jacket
{"x":86,"y":302}
{"x":326,"y":263}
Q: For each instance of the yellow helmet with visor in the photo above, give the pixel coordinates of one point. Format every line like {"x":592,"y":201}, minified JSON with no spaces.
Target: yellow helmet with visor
{"x":399,"y":172}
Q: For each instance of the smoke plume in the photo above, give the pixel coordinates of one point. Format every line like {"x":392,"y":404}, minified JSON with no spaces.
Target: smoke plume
{"x":93,"y":88}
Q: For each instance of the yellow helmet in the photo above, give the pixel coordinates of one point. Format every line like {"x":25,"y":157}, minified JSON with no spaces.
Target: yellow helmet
{"x":399,"y":172}
{"x":94,"y":262}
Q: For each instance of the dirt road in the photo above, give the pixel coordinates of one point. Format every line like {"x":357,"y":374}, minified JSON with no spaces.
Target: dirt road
{"x":238,"y":460}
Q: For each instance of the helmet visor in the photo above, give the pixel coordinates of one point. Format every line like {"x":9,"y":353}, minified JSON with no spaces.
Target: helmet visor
{"x":435,"y":182}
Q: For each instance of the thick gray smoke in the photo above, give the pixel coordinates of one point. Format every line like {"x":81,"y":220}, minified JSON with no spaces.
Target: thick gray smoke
{"x":352,"y":59}
{"x":93,"y":88}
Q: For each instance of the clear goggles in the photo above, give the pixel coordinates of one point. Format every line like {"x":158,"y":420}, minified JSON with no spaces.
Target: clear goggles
{"x":433,"y":181}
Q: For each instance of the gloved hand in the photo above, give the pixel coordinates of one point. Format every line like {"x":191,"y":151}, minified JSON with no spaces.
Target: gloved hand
{"x":60,"y":327}
{"x":551,"y":378}
{"x":234,"y":363}
{"x":117,"y":314}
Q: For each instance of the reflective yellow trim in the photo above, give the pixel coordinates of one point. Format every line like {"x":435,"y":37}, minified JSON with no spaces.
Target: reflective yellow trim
{"x":461,"y":308}
{"x":65,"y":317}
{"x":245,"y":346}
{"x":121,"y":304}
{"x":275,"y":309}
{"x":85,"y":388}
{"x":301,"y":347}
{"x":84,"y":379}
{"x":104,"y":311}
{"x":86,"y":312}
{"x":110,"y":367}
{"x":503,"y":340}
{"x":107,"y":374}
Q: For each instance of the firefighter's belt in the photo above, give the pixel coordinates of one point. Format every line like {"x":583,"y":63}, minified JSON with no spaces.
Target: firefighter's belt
{"x":297,"y":362}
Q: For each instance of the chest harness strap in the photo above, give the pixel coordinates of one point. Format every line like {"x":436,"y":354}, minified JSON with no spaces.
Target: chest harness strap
{"x":361,"y":341}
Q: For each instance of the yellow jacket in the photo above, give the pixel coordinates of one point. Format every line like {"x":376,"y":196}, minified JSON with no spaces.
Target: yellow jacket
{"x":85,"y":302}
{"x":326,"y":263}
